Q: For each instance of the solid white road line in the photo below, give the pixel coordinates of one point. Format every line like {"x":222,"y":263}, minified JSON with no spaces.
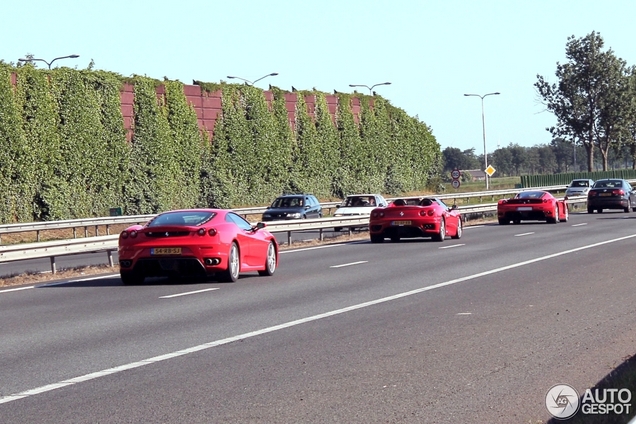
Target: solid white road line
{"x":579,"y":225}
{"x":187,"y":293}
{"x":349,"y":264}
{"x":524,"y":234}
{"x":18,"y":289}
{"x":160,"y":358}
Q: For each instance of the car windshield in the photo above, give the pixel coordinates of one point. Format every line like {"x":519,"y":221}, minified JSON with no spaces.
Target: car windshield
{"x":288,"y":202}
{"x":182,"y":218}
{"x":357,"y":201}
{"x":530,"y":195}
{"x":581,"y":183}
{"x":609,"y":184}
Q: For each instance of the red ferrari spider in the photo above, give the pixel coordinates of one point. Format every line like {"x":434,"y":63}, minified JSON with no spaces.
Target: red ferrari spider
{"x":407,"y":218}
{"x":535,"y":205}
{"x":197,"y":243}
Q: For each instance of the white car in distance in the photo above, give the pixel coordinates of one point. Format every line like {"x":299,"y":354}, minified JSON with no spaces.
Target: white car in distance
{"x":359,"y":205}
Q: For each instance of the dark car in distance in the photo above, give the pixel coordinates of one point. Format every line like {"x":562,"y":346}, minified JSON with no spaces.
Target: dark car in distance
{"x":611,"y":193}
{"x":293,"y":206}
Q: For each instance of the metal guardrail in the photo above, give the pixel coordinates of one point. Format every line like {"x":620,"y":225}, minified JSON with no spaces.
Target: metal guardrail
{"x":108,"y":244}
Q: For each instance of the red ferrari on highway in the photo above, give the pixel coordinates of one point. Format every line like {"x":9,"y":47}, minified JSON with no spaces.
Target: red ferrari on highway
{"x":421,"y":217}
{"x":196,"y":243}
{"x":537,"y":205}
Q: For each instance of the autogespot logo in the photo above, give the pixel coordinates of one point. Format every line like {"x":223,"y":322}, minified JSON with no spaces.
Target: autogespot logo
{"x":562,"y":401}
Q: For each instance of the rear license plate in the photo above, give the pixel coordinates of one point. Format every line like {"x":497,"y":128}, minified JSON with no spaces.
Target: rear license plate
{"x":524,"y":208}
{"x":605,"y":194}
{"x":165,"y":251}
{"x":401,"y":223}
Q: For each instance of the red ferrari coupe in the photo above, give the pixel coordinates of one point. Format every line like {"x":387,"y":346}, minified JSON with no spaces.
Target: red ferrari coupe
{"x":534,"y":205}
{"x":197,"y":243}
{"x":407,"y":218}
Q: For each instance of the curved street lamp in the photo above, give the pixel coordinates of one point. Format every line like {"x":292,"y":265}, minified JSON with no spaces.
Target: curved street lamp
{"x":72,"y":56}
{"x":483,"y":127}
{"x":370,"y":88}
{"x":248,"y":82}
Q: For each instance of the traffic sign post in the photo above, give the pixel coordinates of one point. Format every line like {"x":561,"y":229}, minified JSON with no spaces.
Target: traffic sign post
{"x":455,"y":175}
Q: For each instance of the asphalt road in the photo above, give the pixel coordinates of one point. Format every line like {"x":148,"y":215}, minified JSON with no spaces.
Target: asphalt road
{"x":475,"y":330}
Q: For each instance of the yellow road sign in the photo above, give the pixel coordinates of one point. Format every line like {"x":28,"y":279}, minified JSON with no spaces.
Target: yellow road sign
{"x":490,"y":170}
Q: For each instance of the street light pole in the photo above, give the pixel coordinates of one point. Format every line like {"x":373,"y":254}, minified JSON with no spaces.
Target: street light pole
{"x":248,"y":82}
{"x":72,"y":56}
{"x":370,"y":88}
{"x":483,"y":127}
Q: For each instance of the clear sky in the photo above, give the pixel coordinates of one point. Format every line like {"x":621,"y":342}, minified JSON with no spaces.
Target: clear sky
{"x":432,"y":51}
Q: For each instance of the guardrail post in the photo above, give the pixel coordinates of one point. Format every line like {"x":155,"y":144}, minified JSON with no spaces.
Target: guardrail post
{"x":321,"y":235}
{"x":110,"y":258}
{"x":107,"y":229}
{"x":96,"y":230}
{"x":53,"y":266}
{"x":37,"y":235}
{"x":74,"y":232}
{"x":85,"y":231}
{"x":289,"y":240}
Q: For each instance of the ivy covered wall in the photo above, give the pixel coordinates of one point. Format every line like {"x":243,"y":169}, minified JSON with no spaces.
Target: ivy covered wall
{"x":74,"y":143}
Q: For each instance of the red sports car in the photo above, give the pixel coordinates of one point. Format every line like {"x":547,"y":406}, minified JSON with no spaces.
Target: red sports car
{"x":415,"y":217}
{"x":537,"y":205}
{"x":197,"y":243}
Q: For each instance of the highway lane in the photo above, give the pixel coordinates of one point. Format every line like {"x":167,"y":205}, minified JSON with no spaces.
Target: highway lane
{"x":460,"y":347}
{"x":101,"y":258}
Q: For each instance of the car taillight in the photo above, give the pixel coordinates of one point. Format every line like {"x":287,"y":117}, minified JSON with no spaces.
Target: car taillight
{"x":546,"y":200}
{"x":618,"y":192}
{"x":502,"y":201}
{"x":431,"y":212}
{"x":422,"y":213}
{"x":591,"y":194}
{"x":133,"y":234}
{"x":124,"y":234}
{"x":212,"y":232}
{"x":201,"y":231}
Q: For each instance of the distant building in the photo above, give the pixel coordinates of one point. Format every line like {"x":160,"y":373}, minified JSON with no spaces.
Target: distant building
{"x":476,"y":174}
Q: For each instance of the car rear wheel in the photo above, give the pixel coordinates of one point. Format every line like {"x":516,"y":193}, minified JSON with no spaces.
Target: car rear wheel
{"x":460,"y":230}
{"x":395,"y":239}
{"x":555,"y":216}
{"x":441,"y":235}
{"x":566,"y":213}
{"x":270,"y":261}
{"x":503,"y":221}
{"x":131,"y":278}
{"x":377,"y":238}
{"x":599,"y":210}
{"x":233,"y":265}
{"x":590,"y":210}
{"x":628,"y":209}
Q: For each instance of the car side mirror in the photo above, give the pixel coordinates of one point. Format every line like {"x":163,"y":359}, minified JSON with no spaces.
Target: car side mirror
{"x":337,"y":206}
{"x":307,"y":206}
{"x":454,"y":207}
{"x":259,"y":226}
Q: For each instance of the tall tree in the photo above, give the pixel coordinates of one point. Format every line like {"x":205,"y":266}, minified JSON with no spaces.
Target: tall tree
{"x":587,"y":86}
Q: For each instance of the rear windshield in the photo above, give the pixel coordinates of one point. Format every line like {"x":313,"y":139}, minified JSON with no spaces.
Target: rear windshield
{"x":183,"y":218}
{"x":609,"y":184}
{"x":530,"y":195}
{"x":580,"y":183}
{"x":288,"y":202}
{"x":354,"y":201}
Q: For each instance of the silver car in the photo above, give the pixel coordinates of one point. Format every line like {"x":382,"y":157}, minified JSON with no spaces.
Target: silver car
{"x":578,"y":188}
